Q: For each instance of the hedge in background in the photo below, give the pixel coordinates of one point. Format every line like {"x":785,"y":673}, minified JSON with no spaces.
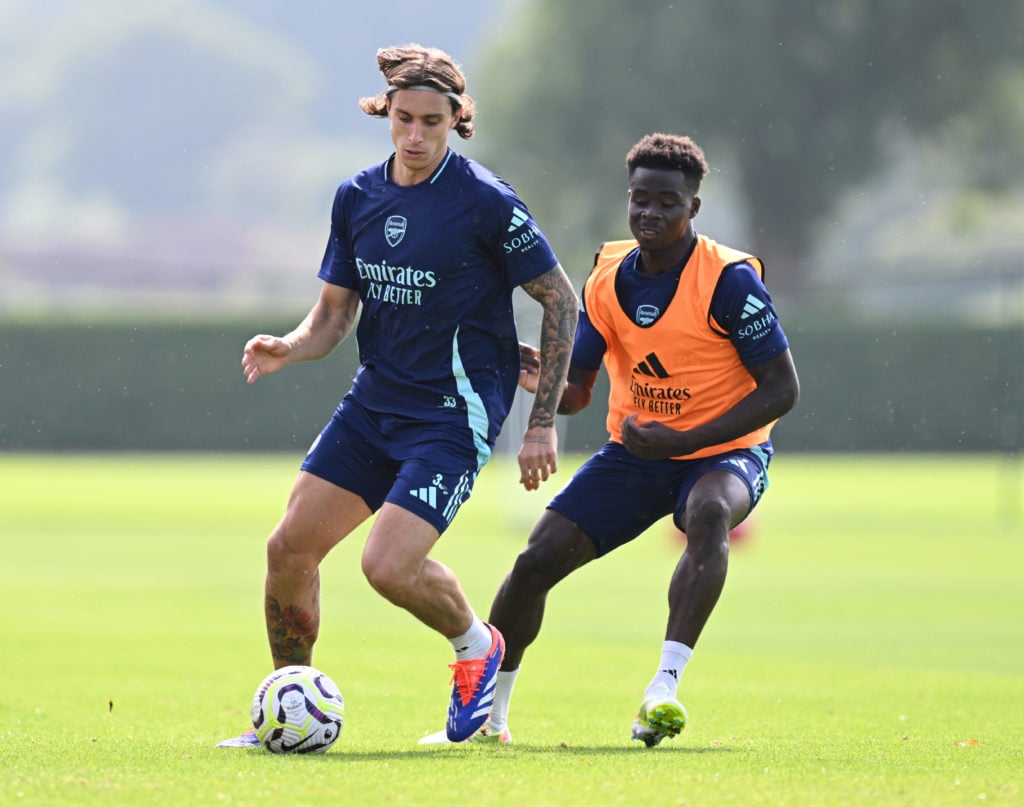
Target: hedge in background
{"x":105,"y":386}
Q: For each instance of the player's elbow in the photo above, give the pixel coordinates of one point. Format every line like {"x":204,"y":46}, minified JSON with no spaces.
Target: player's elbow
{"x":793,"y":390}
{"x":574,"y":398}
{"x":788,"y":396}
{"x":781,"y":385}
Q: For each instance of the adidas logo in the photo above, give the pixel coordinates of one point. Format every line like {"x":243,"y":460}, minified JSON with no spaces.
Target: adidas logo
{"x":759,"y":485}
{"x":752,"y":307}
{"x":519,"y":218}
{"x":486,"y":700}
{"x":428,"y":495}
{"x":741,"y":464}
{"x":651,"y":366}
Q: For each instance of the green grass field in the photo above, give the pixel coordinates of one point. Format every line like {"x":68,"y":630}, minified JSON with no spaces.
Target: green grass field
{"x":868,"y":648}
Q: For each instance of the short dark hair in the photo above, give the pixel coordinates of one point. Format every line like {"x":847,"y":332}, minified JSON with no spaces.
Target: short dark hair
{"x":669,"y":152}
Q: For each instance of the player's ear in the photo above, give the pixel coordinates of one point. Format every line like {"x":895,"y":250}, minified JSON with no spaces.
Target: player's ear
{"x":694,"y":206}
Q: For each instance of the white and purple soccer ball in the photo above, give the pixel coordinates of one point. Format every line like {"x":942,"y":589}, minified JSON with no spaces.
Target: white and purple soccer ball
{"x":298,"y":710}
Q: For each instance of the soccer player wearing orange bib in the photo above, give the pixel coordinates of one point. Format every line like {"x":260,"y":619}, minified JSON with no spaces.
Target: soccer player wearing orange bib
{"x":700,"y":371}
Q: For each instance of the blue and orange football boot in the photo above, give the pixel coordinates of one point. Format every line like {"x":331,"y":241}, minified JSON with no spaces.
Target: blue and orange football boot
{"x":473,"y":690}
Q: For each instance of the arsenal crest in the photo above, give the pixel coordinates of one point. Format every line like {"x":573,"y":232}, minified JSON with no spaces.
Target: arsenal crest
{"x":394,"y":229}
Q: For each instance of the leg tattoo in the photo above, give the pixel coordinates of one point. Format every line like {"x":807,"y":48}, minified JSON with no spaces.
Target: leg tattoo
{"x":291,"y":631}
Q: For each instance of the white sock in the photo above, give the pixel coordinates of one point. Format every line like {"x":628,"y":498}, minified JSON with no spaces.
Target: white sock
{"x":502,"y":697}
{"x":674,"y":658}
{"x":474,"y":643}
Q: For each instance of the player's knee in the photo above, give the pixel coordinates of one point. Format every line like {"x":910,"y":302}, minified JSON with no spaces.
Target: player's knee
{"x":387,"y":580}
{"x":278,"y":553}
{"x":707,"y":524}
{"x":377,"y":576}
{"x":556,"y":548}
{"x":285,"y":556}
{"x":540,"y":566}
{"x":529,"y":572}
{"x":708,"y":512}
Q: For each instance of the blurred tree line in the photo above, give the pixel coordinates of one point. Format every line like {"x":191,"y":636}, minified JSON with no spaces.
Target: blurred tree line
{"x":796,"y":102}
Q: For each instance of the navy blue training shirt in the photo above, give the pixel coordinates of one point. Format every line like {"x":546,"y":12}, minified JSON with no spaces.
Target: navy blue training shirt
{"x":435,"y":265}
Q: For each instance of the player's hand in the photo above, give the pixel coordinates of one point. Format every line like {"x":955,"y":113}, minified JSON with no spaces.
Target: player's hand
{"x":263,"y":355}
{"x":651,"y":440}
{"x":529,"y":367}
{"x":538,"y":457}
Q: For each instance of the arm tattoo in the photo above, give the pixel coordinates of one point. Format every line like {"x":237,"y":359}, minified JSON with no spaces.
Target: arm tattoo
{"x":558,"y":327}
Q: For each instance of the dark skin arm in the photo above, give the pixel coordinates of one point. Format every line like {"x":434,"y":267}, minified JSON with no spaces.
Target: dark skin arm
{"x":579,"y":383}
{"x":777,"y":391}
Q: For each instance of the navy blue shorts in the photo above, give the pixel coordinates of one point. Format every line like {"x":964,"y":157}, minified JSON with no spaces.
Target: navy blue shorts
{"x":425,"y":467}
{"x":615,"y":496}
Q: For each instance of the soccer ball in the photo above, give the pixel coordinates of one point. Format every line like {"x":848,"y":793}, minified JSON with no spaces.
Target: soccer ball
{"x":298,"y":710}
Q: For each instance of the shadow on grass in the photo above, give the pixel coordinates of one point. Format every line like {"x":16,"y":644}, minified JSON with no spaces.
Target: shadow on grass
{"x":576,"y":750}
{"x":520,"y":749}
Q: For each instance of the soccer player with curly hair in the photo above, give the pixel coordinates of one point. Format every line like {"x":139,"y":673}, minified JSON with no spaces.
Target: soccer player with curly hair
{"x":700,"y":370}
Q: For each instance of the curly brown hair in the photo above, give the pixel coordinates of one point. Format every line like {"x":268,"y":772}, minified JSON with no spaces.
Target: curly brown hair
{"x":669,"y":152}
{"x":414,"y":65}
